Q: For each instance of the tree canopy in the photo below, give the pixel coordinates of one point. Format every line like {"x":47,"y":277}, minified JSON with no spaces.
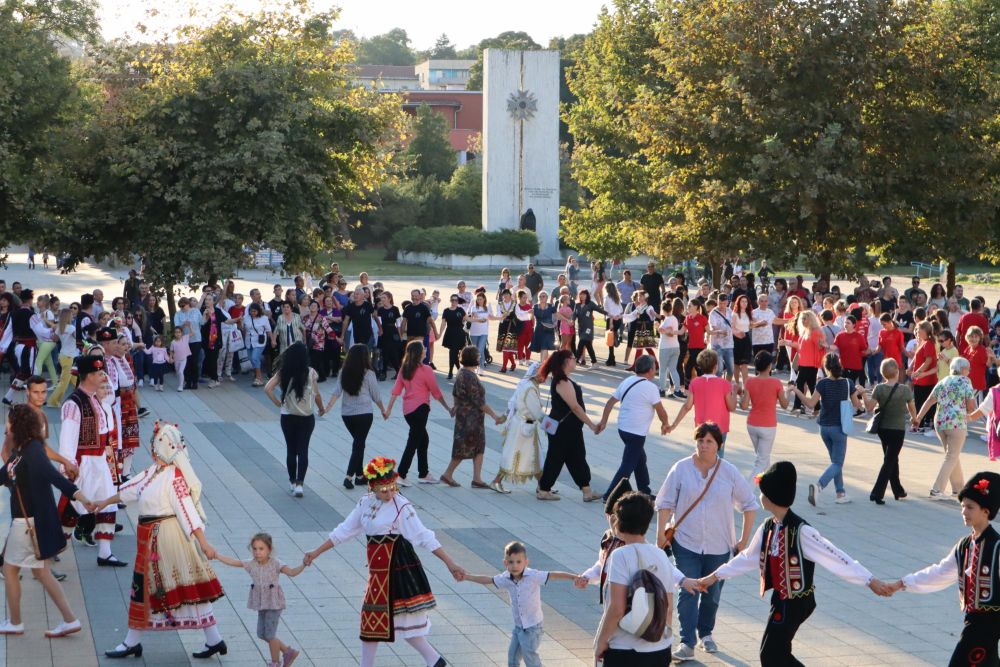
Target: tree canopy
{"x":391,"y":48}
{"x":511,"y":39}
{"x":430,"y":150}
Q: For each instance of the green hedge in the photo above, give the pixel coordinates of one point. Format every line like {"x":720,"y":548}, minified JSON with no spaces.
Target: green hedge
{"x":465,"y":241}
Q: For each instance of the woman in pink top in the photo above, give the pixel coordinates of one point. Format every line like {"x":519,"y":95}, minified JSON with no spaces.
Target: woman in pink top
{"x":416,"y":383}
{"x":762,"y":394}
{"x":712,"y":397}
{"x":564,"y":315}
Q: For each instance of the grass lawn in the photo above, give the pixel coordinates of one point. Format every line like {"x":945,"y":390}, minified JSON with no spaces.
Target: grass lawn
{"x":373,"y":261}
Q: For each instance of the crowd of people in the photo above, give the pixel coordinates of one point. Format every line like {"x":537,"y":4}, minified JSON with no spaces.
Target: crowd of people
{"x":919,"y":364}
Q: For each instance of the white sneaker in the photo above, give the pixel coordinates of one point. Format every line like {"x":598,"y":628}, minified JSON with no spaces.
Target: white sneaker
{"x":231,"y":378}
{"x":298,"y":491}
{"x":180,"y":388}
{"x":213,"y":384}
{"x":930,"y":433}
{"x":430,"y":479}
{"x":64,"y":629}
{"x":938,"y":495}
{"x":683,"y":653}
{"x":404,"y":482}
{"x":814,"y":491}
{"x":8,"y":628}
{"x":843,"y":500}
{"x":708,"y":645}
{"x":292,"y":489}
{"x":984,"y":438}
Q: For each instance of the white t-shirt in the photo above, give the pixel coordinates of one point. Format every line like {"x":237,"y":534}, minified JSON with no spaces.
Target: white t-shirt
{"x":986,"y":407}
{"x":635,"y":413}
{"x":763,"y":335}
{"x":613,"y":309}
{"x":67,"y":340}
{"x":622,"y":565}
{"x":479,"y":328}
{"x":741,"y":323}
{"x":669,"y":342}
{"x":255,"y":327}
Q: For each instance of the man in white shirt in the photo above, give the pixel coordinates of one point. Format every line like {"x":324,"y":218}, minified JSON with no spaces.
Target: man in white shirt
{"x":720,"y":331}
{"x":98,"y":303}
{"x":640,"y":399}
{"x":761,"y":330}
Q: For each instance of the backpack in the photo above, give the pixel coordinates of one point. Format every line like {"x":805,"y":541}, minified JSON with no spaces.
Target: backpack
{"x":646,"y":606}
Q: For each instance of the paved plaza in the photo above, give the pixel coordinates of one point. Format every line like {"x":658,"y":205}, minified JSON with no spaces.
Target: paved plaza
{"x":238,"y":451}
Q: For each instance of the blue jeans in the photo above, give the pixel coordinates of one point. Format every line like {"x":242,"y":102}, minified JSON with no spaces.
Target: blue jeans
{"x":872,"y":363}
{"x":256,"y":353}
{"x":726,"y":362}
{"x":633,"y":461}
{"x":697,"y":611}
{"x":480,"y":343}
{"x":836,"y":446}
{"x":524,"y":643}
{"x":668,"y":367}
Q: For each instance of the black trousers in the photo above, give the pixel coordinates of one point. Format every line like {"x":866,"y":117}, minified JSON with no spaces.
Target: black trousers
{"x":332,"y":354}
{"x":586,"y":345}
{"x":616,"y":327}
{"x":417,"y":442}
{"x":191,"y":370}
{"x":783,"y":622}
{"x":690,"y":366}
{"x":358,"y":426}
{"x":806,"y":378}
{"x":978,"y":643}
{"x":857,"y":376}
{"x":888,"y":474}
{"x":453,"y":358}
{"x":297,"y":431}
{"x":317,"y":361}
{"x":617,"y":657}
{"x":920,"y":394}
{"x":210,"y":369}
{"x":566,"y":447}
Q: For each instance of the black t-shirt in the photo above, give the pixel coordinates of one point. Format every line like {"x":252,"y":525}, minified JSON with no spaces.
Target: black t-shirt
{"x":275,"y":306}
{"x":361,"y":320}
{"x":416,"y":316}
{"x":389,"y":316}
{"x":533,"y":281}
{"x":904,"y":320}
{"x":651,"y":284}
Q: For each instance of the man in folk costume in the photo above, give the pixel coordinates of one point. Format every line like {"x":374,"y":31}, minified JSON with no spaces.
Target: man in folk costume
{"x":785,"y":550}
{"x":398,"y":596}
{"x":173,"y":584}
{"x":26,"y":327}
{"x":974,"y":564}
{"x":126,"y":404}
{"x":83,"y":437}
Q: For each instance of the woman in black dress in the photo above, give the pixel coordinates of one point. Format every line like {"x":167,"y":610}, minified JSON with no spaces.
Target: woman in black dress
{"x":566,"y":446}
{"x":454,"y":332}
{"x":30,"y":477}
{"x":390,"y":342}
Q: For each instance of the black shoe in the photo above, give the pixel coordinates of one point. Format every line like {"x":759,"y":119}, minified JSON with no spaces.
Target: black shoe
{"x":60,"y":576}
{"x":433,"y":367}
{"x":143,"y":412}
{"x":111,"y":561}
{"x":901,"y":496}
{"x":122,"y":506}
{"x":663,"y":394}
{"x":877,"y":501}
{"x":126,"y":652}
{"x":359,"y":480}
{"x":348,"y":484}
{"x":124,"y":478}
{"x":212,"y":650}
{"x":7,"y":402}
{"x":119,"y":528}
{"x":440,"y":663}
{"x":86,"y":539}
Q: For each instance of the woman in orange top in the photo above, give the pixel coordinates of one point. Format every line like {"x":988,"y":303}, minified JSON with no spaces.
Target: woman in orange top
{"x":811,"y":347}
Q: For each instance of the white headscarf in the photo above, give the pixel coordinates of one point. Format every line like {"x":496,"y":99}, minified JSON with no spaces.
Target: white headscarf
{"x":521,"y":388}
{"x":169,"y":446}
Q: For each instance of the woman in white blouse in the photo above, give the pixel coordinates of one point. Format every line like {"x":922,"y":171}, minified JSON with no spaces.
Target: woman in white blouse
{"x":398,"y":595}
{"x":706,"y":538}
{"x":614,"y":311}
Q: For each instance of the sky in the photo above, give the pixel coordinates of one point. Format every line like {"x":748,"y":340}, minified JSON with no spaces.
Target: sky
{"x":465,"y":23}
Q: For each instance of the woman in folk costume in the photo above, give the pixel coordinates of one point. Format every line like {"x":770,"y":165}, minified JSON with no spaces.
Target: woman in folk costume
{"x":398,"y":596}
{"x":173,"y":585}
{"x":520,"y":459}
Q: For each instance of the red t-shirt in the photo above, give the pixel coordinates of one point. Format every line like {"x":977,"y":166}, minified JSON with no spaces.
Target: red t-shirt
{"x":695,"y":325}
{"x":237,"y":311}
{"x":968,"y":321}
{"x":764,"y":393}
{"x":852,"y":347}
{"x":810,"y":349}
{"x":977,"y":365}
{"x":926,"y":351}
{"x":891,"y":342}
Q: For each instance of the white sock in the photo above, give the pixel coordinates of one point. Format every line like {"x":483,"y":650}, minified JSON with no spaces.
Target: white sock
{"x":424,"y":648}
{"x":104,"y":548}
{"x":131,"y":639}
{"x":368,"y":654}
{"x":212,"y":636}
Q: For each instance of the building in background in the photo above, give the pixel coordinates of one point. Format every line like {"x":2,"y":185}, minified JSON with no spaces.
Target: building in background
{"x":443,"y":74}
{"x":387,"y":78}
{"x":462,"y":108}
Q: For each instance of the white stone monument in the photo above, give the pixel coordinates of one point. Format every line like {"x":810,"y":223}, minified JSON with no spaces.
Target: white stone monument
{"x":521,"y":143}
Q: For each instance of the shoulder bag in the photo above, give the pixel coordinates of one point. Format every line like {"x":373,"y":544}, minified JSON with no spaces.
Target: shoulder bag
{"x":30,"y":521}
{"x":669,"y":532}
{"x":847,"y":412}
{"x":875,"y":423}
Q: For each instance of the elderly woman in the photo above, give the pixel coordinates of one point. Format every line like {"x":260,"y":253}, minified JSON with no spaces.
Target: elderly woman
{"x":174,"y":584}
{"x":701,"y":491}
{"x":955,"y":399}
{"x":470,"y":431}
{"x":398,"y":595}
{"x":288,"y":329}
{"x":35,"y":535}
{"x":519,"y":459}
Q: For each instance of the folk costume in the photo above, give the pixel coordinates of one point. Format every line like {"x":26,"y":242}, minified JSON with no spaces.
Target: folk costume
{"x":126,"y":408}
{"x":973,"y":564}
{"x":26,"y":328}
{"x":173,"y":583}
{"x":84,"y":438}
{"x":785,"y":553}
{"x":520,"y":460}
{"x":645,"y":340}
{"x":598,"y":573}
{"x":507,"y":333}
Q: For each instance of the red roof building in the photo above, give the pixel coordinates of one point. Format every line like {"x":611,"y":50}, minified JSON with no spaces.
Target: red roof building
{"x":462,"y":108}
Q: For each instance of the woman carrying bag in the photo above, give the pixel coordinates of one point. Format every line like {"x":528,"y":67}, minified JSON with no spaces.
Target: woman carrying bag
{"x":893,"y":401}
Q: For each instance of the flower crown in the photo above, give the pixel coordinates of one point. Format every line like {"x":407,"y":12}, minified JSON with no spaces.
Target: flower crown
{"x":380,"y":470}
{"x":757,"y":478}
{"x":983,"y":486}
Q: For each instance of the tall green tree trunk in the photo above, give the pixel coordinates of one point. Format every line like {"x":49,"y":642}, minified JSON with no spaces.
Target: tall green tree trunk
{"x":950,"y":273}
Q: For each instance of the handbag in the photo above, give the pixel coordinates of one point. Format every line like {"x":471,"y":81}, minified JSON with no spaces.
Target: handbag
{"x":875,"y":423}
{"x":30,"y":522}
{"x":847,"y":413}
{"x":236,"y":341}
{"x":669,"y":532}
{"x":646,"y":617}
{"x":609,"y":338}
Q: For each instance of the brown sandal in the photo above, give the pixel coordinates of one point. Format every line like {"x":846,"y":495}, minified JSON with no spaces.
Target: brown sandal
{"x":479,"y":485}
{"x":449,"y":481}
{"x":546,"y":495}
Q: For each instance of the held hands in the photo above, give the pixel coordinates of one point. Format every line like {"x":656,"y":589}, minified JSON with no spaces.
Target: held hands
{"x":581,"y":582}
{"x":385,"y":414}
{"x":72,"y":470}
{"x":457,"y":572}
{"x":885,"y":589}
{"x":209,"y":550}
{"x":308,"y":558}
{"x":704,"y":583}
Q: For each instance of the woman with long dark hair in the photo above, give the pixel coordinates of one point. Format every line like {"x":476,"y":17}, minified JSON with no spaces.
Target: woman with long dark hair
{"x":454,"y":333}
{"x":566,"y":446}
{"x":742,"y":342}
{"x":390,"y":341}
{"x":613,"y":311}
{"x":359,"y":387}
{"x":299,"y":397}
{"x":417,"y":384}
{"x":584,"y":314}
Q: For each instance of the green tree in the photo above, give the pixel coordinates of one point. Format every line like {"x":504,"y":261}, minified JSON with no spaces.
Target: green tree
{"x":391,"y":48}
{"x":511,"y":39}
{"x":430,"y":149}
{"x":42,"y":108}
{"x":464,"y":195}
{"x":243,"y":134}
{"x":443,"y":48}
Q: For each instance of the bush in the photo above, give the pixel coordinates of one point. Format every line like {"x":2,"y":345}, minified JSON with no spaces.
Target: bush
{"x":465,"y":241}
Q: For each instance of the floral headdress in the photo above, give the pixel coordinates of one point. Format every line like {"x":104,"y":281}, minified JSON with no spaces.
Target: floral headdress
{"x":381,"y":471}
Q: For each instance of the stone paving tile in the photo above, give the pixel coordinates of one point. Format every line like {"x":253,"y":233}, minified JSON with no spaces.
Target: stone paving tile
{"x":238,"y":451}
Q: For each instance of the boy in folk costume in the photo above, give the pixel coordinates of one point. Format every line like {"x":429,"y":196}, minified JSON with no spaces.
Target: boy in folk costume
{"x":398,"y":595}
{"x":126,"y":402}
{"x":785,"y":550}
{"x":974,"y":564}
{"x":83,"y":438}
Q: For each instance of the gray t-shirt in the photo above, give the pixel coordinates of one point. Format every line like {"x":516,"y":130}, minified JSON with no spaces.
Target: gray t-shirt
{"x":362,"y":403}
{"x":894,"y":412}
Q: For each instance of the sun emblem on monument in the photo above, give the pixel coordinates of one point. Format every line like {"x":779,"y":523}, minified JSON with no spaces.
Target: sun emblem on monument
{"x":522,"y":105}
